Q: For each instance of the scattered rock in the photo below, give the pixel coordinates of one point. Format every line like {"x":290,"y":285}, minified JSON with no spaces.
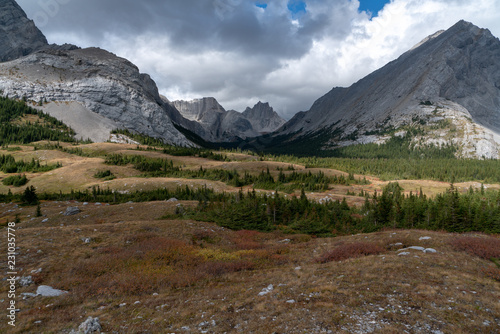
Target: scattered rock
{"x":89,"y":326}
{"x":291,"y":301}
{"x":45,"y":220}
{"x":404,"y":253}
{"x":47,"y":291}
{"x":416,"y":248}
{"x":25,"y":281}
{"x":267,"y":290}
{"x":71,"y":211}
{"x":173,"y":200}
{"x":424,"y":238}
{"x":86,"y":240}
{"x":28,"y":294}
{"x":430,"y":250}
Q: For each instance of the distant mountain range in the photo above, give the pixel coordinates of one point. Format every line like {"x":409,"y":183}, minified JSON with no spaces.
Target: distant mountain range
{"x":447,"y":87}
{"x":220,"y":125}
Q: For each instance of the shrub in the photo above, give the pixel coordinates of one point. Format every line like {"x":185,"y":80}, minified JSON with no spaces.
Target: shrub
{"x":29,"y":196}
{"x":106,"y":175}
{"x":492,"y":272}
{"x":15,"y":180}
{"x":353,"y":250}
{"x":485,"y":248}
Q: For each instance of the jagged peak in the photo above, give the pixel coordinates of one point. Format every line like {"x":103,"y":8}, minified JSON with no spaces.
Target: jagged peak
{"x":18,"y":35}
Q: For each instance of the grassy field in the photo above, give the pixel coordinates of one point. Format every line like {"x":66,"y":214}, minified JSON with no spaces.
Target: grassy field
{"x":140,"y":270}
{"x":78,"y":172}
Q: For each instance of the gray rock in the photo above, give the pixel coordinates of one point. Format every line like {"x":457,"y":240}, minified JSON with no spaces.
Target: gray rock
{"x":89,"y":326}
{"x":18,"y":35}
{"x":28,"y":294}
{"x":25,"y":281}
{"x":267,"y":290}
{"x":430,"y":250}
{"x":71,"y":211}
{"x":47,"y":291}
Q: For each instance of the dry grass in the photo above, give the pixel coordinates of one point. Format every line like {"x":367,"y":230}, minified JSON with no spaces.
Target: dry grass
{"x":198,"y":275}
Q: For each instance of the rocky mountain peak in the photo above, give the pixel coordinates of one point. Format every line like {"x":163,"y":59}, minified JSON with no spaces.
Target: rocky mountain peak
{"x":18,"y":35}
{"x":455,"y":72}
{"x":263,"y":118}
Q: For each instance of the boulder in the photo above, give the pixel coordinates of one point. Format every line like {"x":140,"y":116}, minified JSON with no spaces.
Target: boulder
{"x":71,"y":211}
{"x":47,"y":291}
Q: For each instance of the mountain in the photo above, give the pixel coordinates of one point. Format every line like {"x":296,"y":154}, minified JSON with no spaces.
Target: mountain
{"x":91,"y":90}
{"x":20,"y":36}
{"x":448,"y":85}
{"x":263,"y":118}
{"x":219,"y":125}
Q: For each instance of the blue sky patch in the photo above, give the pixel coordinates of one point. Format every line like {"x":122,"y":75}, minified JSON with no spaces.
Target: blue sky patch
{"x":297,"y":8}
{"x":373,"y":6}
{"x":261,"y":5}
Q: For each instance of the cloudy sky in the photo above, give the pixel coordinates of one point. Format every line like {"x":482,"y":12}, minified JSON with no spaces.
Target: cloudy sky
{"x":285,"y":52}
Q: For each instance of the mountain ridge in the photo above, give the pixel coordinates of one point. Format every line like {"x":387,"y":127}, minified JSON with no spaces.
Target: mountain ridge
{"x":456,"y":70}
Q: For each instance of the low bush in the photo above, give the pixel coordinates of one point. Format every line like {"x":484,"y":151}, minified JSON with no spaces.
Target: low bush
{"x":486,"y":248}
{"x":353,"y":250}
{"x":15,"y":180}
{"x":106,"y":175}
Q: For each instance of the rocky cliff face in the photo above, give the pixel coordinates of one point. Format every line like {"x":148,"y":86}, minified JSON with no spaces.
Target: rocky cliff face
{"x":100,"y":81}
{"x":263,"y":118}
{"x":19,"y":35}
{"x":452,"y":76}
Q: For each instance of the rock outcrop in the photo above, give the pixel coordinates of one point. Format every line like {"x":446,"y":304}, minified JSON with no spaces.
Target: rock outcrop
{"x":98,"y":80}
{"x":451,"y":77}
{"x":19,"y":35}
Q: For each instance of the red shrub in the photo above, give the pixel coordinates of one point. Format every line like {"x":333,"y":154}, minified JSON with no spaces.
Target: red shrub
{"x":348,"y":251}
{"x":492,"y":272}
{"x":485,"y":248}
{"x":246,"y":240}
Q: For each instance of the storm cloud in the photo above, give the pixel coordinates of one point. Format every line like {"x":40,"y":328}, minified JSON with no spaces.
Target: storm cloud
{"x":242,"y":51}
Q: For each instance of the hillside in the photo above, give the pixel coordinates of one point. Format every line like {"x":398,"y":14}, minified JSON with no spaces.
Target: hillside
{"x":136,"y":272}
